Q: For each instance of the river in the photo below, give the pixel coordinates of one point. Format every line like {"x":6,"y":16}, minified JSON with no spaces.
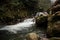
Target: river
{"x":19,"y":30}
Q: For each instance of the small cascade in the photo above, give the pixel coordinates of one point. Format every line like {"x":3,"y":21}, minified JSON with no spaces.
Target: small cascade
{"x":20,"y":26}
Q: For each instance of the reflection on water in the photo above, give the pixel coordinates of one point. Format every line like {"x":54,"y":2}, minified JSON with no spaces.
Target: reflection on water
{"x":19,"y":31}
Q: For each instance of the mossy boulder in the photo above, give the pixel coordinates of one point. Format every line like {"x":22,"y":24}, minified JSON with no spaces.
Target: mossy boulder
{"x":41,"y":21}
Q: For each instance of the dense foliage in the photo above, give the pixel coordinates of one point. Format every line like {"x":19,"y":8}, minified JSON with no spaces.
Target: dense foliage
{"x":17,"y":9}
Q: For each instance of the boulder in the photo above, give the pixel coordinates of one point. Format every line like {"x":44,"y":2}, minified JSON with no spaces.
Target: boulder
{"x":54,"y":25}
{"x":41,"y":21}
{"x":56,"y":8}
{"x":32,"y":36}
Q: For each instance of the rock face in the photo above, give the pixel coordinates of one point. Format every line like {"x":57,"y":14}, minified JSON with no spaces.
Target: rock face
{"x":56,"y":2}
{"x":32,"y":36}
{"x":51,"y":21}
{"x":54,"y":8}
{"x":54,"y":20}
{"x":54,"y":25}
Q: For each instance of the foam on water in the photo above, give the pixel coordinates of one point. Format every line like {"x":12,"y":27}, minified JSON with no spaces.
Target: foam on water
{"x":20,"y":26}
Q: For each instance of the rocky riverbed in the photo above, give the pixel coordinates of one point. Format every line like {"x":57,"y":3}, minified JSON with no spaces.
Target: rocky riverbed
{"x":20,"y":30}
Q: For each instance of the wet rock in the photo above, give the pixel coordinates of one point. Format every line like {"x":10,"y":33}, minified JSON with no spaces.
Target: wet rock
{"x":4,"y":35}
{"x":55,"y":38}
{"x":44,"y":39}
{"x":54,"y":20}
{"x":41,"y":21}
{"x":3,"y":32}
{"x":56,"y":2}
{"x":32,"y":36}
{"x":53,"y":29}
{"x":56,"y":8}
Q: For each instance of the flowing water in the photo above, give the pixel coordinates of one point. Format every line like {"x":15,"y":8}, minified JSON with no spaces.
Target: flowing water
{"x":19,"y":31}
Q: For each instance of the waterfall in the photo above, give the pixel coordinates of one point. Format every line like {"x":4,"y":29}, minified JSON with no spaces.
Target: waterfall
{"x":20,"y":26}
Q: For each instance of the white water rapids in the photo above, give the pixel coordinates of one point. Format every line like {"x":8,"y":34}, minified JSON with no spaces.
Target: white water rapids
{"x":20,"y":26}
